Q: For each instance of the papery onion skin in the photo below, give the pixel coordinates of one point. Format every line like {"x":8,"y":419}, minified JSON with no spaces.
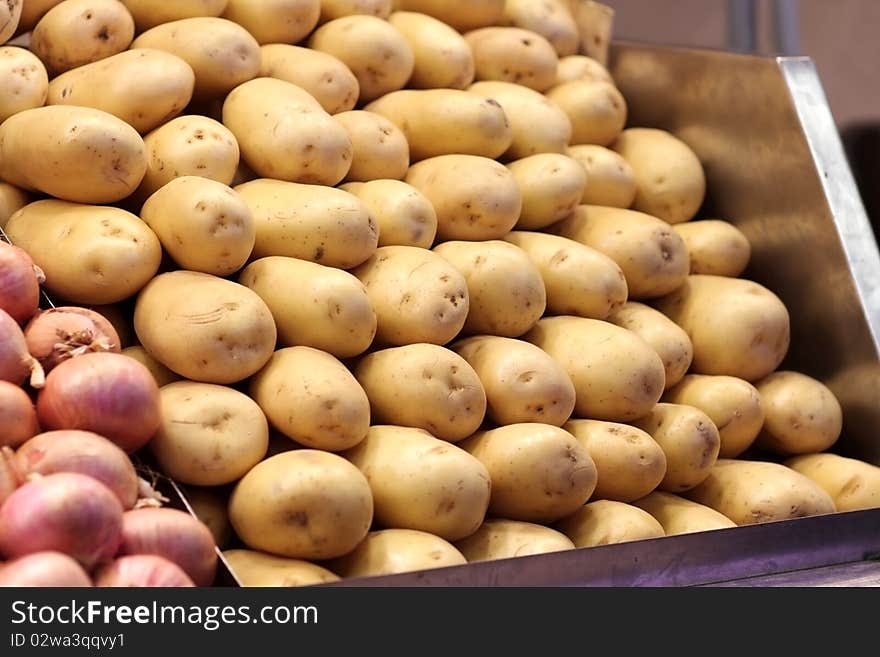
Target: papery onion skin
{"x":19,"y":283}
{"x":142,"y":570}
{"x":10,"y":477}
{"x":57,"y":334}
{"x":44,"y":569}
{"x":18,"y":417}
{"x":15,"y":361}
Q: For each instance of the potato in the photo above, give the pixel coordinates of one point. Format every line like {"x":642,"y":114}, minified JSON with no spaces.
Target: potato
{"x":417,"y":294}
{"x":629,"y":462}
{"x":203,"y":327}
{"x":511,"y":54}
{"x":538,"y":125}
{"x":610,"y":179}
{"x":475,"y":198}
{"x":161,"y":374}
{"x":505,"y":539}
{"x":310,"y":222}
{"x":442,"y":58}
{"x":304,"y":504}
{"x":851,"y":483}
{"x":539,"y":472}
{"x":605,"y":522}
{"x":476,"y":13}
{"x":222,"y":54}
{"x":285,"y":134}
{"x":594,"y":21}
{"x":668,"y":339}
{"x":551,"y":186}
{"x":505,"y":289}
{"x":78,"y":32}
{"x":421,"y":482}
{"x":404,"y":216}
{"x":76,"y":154}
{"x":275,"y":21}
{"x":323,"y":76}
{"x":617,"y":376}
{"x":549,"y":18}
{"x":253,"y":568}
{"x":313,"y":305}
{"x":310,"y":397}
{"x":210,"y":435}
{"x":392,"y":551}
{"x":23,"y":80}
{"x":716,"y":247}
{"x":210,"y":506}
{"x":333,"y":9}
{"x":90,"y":254}
{"x":145,"y":88}
{"x":651,"y":254}
{"x":379,"y":148}
{"x":738,"y":327}
{"x":150,"y":13}
{"x":375,"y":51}
{"x":581,"y":67}
{"x":522,"y":383}
{"x":801,"y":415}
{"x":12,"y":199}
{"x":578,"y":280}
{"x":678,"y":515}
{"x":597,"y":110}
{"x":750,"y":492}
{"x":446,"y":122}
{"x":32,"y":11}
{"x":733,"y":405}
{"x":203,"y":225}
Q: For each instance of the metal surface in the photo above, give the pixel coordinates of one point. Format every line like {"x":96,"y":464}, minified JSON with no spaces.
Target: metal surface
{"x":859,"y":574}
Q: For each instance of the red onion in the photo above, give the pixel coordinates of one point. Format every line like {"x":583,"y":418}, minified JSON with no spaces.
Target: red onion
{"x":83,"y":452}
{"x":65,"y":512}
{"x":15,"y":361}
{"x":142,"y":570}
{"x":44,"y":569}
{"x":20,"y":282}
{"x":111,"y":394}
{"x":18,"y":417}
{"x":172,"y":534}
{"x":10,"y":478}
{"x":60,"y":333}
{"x":120,"y":319}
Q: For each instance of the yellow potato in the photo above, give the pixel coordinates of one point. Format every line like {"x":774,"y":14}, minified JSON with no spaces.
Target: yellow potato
{"x":446,"y":122}
{"x":549,"y":18}
{"x":379,"y":148}
{"x":421,"y":482}
{"x":581,"y":67}
{"x":716,"y":247}
{"x":253,"y":568}
{"x":751,"y":492}
{"x":610,"y":179}
{"x":605,"y":522}
{"x":512,"y":54}
{"x":210,"y":506}
{"x":733,"y":405}
{"x":476,"y":13}
{"x":629,"y":462}
{"x":23,"y":80}
{"x":617,"y":376}
{"x":313,"y":305}
{"x":333,"y":9}
{"x":76,"y":154}
{"x":651,"y":254}
{"x":392,"y":551}
{"x":203,"y":327}
{"x":851,"y":483}
{"x":90,"y":254}
{"x":203,"y":225}
{"x":222,"y":54}
{"x":375,"y":51}
{"x":475,"y":198}
{"x":161,"y":374}
{"x":579,"y":280}
{"x":323,"y":76}
{"x":12,"y":199}
{"x":310,"y":397}
{"x":505,"y":539}
{"x":77,"y":32}
{"x":310,"y":222}
{"x":304,"y":504}
{"x":404,"y":216}
{"x":597,"y":110}
{"x":738,"y":327}
{"x":150,"y":13}
{"x":551,"y":186}
{"x":505,"y":289}
{"x":594,"y":21}
{"x":442,"y":58}
{"x":678,"y":515}
{"x":522,"y":383}
{"x":539,"y":472}
{"x":210,"y":435}
{"x":417,"y":294}
{"x":32,"y":11}
{"x":275,"y":21}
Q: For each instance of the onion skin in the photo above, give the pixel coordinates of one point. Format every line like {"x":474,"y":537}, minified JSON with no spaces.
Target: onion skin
{"x":84,"y":452}
{"x":142,"y":570}
{"x":106,"y":393}
{"x":65,"y":512}
{"x":15,"y":361}
{"x":10,"y":478}
{"x":174,"y":535}
{"x":44,"y":569}
{"x":55,"y":335}
{"x":20,"y":282}
{"x":18,"y":417}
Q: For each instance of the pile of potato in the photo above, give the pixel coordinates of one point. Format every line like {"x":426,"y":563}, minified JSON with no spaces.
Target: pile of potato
{"x":414,"y":292}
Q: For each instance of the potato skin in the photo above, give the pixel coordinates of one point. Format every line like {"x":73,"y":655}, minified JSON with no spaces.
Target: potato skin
{"x":404,"y":216}
{"x":392,"y":551}
{"x":480,"y":13}
{"x":611,"y":179}
{"x":333,"y":9}
{"x":581,"y":67}
{"x":505,"y":539}
{"x":150,"y":13}
{"x":551,"y":186}
{"x":597,"y":110}
{"x":605,"y":522}
{"x":12,"y":199}
{"x":275,"y":21}
{"x":716,"y":247}
{"x":379,"y":148}
{"x":551,"y":19}
{"x":10,"y":14}
{"x":442,"y":58}
{"x":24,"y":81}
{"x":678,"y":515}
{"x":323,"y":76}
{"x":851,"y":483}
{"x":253,"y":568}
{"x":161,"y":374}
{"x":512,"y":54}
